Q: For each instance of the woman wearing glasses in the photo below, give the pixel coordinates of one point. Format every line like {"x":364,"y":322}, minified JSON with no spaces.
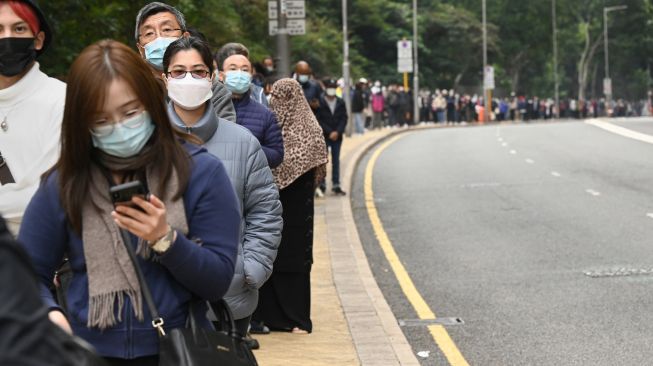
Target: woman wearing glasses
{"x":115,"y":129}
{"x":188,"y":74}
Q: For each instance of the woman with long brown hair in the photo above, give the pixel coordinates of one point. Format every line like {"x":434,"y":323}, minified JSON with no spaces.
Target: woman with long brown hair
{"x":116,"y":130}
{"x":285,"y":299}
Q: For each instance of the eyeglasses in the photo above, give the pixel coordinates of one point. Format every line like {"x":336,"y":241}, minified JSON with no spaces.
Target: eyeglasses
{"x":196,"y":74}
{"x":105,"y":128}
{"x":151,"y":34}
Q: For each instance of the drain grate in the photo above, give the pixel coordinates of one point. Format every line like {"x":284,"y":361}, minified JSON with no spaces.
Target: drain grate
{"x":619,"y":272}
{"x":427,"y":322}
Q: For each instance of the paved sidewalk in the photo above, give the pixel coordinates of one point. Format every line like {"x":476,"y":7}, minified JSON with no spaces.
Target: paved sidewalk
{"x":352,"y":322}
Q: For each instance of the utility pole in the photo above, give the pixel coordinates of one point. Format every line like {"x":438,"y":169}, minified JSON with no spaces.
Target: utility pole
{"x":555,"y":58}
{"x":607,"y":82}
{"x":488,"y":103}
{"x":283,"y":48}
{"x":345,"y":68}
{"x":416,"y":67}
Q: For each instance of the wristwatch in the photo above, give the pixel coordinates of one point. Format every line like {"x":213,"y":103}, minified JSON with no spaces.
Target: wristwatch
{"x":162,"y":245}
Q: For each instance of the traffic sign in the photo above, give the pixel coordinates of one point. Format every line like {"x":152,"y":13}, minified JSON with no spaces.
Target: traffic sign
{"x":294,"y":27}
{"x":294,"y":9}
{"x":404,"y":56}
{"x":405,"y":49}
{"x":607,"y":86}
{"x":405,"y":65}
{"x":488,"y":82}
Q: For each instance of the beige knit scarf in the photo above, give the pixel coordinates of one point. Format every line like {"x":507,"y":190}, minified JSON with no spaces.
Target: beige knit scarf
{"x":111,"y":274}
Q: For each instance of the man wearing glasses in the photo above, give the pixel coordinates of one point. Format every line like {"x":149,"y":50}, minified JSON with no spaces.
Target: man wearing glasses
{"x":158,"y":25}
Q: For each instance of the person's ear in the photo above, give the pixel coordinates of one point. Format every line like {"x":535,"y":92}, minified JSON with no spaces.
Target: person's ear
{"x":39,"y":40}
{"x":141,"y":49}
{"x":221,"y":76}
{"x":165,"y":79}
{"x":185,"y":34}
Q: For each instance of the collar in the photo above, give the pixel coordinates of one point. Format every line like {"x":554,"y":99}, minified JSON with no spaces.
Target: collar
{"x":243,"y":100}
{"x":23,"y":88}
{"x":204,"y":128}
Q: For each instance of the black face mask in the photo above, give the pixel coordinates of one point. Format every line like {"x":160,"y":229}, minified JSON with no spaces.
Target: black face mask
{"x":15,"y":55}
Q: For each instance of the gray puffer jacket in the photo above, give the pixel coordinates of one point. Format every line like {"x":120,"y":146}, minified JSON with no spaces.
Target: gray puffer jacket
{"x":261,"y":225}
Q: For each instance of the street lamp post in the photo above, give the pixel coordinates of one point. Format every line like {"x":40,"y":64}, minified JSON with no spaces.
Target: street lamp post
{"x":416,"y":67}
{"x":555,"y":58}
{"x":283,"y":44}
{"x":487,"y":103}
{"x":608,"y":82}
{"x":345,"y":68}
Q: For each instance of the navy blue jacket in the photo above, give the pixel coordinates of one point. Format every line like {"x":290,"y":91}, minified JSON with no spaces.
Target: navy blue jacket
{"x":335,"y":121}
{"x":187,"y":270}
{"x":262,"y":123}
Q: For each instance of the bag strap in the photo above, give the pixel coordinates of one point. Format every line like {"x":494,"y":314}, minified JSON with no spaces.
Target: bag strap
{"x":5,"y":174}
{"x":157,"y":321}
{"x":225,"y":318}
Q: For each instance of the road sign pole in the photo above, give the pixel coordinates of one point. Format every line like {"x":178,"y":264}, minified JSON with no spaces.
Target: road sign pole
{"x":283,"y":44}
{"x":415,"y":68}
{"x":488,"y":104}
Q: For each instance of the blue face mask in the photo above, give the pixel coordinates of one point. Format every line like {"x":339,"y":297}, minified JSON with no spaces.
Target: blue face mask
{"x":237,"y":81}
{"x":154,"y":51}
{"x":124,"y":139}
{"x":303,"y":79}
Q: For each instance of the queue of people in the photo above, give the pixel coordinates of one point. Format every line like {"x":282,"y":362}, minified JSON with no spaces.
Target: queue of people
{"x":224,"y":206}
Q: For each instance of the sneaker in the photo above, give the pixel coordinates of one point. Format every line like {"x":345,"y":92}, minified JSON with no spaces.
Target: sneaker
{"x":252,"y":343}
{"x":319,"y":193}
{"x":338,"y":192}
{"x":258,"y":328}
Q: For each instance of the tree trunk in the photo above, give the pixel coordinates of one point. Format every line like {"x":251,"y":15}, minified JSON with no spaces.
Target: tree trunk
{"x":586,"y":59}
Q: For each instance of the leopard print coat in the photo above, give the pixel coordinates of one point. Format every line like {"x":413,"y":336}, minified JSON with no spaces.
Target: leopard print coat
{"x":303,"y":140}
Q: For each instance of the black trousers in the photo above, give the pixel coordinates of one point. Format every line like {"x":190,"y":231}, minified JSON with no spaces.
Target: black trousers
{"x":141,"y":361}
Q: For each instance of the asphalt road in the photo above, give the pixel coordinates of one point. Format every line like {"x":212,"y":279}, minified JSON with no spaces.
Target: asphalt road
{"x":539,"y":237}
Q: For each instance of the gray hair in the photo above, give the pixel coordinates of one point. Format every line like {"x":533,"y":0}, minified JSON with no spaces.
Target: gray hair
{"x":230,"y":49}
{"x":155,"y":8}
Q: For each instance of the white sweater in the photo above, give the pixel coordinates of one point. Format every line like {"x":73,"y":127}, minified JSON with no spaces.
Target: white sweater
{"x":34,"y":109}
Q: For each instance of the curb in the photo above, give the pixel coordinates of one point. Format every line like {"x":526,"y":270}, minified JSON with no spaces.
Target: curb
{"x":376,"y":333}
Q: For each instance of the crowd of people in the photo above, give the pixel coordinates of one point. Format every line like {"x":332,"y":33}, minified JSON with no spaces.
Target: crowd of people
{"x":223,"y":157}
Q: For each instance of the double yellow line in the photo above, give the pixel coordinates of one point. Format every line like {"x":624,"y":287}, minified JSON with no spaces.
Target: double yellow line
{"x":438,"y":332}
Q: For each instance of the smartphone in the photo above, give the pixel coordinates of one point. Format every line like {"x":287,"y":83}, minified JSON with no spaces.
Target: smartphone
{"x":122,"y":194}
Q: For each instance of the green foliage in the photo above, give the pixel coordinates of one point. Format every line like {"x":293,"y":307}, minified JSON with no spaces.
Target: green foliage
{"x":450,"y":44}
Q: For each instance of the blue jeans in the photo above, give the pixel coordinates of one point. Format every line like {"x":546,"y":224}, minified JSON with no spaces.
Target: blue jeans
{"x":335,"y":160}
{"x":359,"y":120}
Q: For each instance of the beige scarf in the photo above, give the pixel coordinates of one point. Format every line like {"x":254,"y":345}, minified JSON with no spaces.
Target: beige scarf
{"x":303,"y":139}
{"x":111,"y":274}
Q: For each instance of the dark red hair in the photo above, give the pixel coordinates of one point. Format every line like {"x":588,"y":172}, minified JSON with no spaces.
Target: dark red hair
{"x":26,"y":13}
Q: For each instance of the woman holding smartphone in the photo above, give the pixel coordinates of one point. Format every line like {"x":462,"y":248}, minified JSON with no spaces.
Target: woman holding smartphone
{"x":116,"y":130}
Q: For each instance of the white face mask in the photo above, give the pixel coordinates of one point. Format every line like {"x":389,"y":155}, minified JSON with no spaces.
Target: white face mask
{"x":331,"y":92}
{"x":189,"y":93}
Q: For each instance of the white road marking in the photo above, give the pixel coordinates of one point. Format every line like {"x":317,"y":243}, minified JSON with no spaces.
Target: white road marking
{"x":530,"y":161}
{"x":621,"y":130}
{"x":500,"y":139}
{"x":593,"y":192}
{"x":513,"y":152}
{"x":504,"y":144}
{"x":556,"y":174}
{"x":650,"y":215}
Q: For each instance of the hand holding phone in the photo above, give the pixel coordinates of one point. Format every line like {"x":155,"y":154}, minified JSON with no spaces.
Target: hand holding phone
{"x":139,"y":212}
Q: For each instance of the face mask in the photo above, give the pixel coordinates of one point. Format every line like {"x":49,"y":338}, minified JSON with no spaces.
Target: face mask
{"x":269,"y":68}
{"x":303,"y":78}
{"x":154,"y":51}
{"x":331,"y":92}
{"x":189,"y":93}
{"x":15,"y":55}
{"x":127,"y":138}
{"x":237,"y":81}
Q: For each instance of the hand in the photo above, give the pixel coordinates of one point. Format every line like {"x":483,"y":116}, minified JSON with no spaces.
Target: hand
{"x":59,"y":319}
{"x":333,"y":136}
{"x":150,"y":224}
{"x":315,"y":104}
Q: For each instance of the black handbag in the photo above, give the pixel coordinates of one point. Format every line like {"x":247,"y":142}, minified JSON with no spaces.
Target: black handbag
{"x":195,"y":346}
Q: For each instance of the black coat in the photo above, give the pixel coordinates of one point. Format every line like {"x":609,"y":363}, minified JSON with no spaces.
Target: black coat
{"x":330,"y":122}
{"x":27,"y":337}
